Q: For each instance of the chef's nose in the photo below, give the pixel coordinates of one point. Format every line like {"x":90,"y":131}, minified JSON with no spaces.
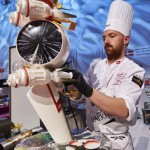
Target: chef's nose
{"x":106,"y":40}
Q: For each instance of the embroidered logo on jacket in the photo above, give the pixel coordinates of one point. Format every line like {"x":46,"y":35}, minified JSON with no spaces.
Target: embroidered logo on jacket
{"x":119,"y":77}
{"x":137,"y":80}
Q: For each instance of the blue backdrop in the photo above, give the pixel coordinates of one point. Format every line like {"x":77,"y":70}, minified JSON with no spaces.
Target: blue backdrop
{"x":86,"y":40}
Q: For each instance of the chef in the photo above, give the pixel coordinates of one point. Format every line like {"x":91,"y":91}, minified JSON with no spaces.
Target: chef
{"x":112,"y":86}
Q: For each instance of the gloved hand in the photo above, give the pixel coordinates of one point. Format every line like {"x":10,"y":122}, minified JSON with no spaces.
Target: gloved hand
{"x":79,"y":82}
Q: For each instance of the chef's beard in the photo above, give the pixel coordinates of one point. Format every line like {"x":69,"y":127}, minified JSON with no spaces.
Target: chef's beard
{"x":112,"y":53}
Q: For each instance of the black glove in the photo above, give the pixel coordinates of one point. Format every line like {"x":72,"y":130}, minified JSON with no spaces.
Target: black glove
{"x":80,"y":83}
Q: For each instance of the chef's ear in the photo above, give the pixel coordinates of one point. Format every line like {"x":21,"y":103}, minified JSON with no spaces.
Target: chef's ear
{"x":126,"y":40}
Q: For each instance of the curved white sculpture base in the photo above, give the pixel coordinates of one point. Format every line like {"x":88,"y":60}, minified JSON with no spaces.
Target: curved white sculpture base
{"x":47,"y":104}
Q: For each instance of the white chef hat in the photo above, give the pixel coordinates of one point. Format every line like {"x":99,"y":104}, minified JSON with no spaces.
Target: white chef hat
{"x":120,"y":17}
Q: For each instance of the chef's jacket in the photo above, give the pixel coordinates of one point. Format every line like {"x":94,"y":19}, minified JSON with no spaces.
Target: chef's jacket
{"x":122,"y":79}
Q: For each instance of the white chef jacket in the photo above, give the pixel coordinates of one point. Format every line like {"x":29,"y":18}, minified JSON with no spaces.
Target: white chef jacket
{"x":122,"y":79}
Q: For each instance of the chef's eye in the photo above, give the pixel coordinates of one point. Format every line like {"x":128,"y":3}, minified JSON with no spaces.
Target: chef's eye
{"x":103,"y":38}
{"x":112,"y":35}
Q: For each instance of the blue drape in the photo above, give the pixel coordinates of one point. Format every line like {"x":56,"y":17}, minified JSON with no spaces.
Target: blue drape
{"x":86,"y":41}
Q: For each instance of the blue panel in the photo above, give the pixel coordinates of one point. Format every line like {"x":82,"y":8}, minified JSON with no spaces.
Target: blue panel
{"x":8,"y":34}
{"x":86,"y":41}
